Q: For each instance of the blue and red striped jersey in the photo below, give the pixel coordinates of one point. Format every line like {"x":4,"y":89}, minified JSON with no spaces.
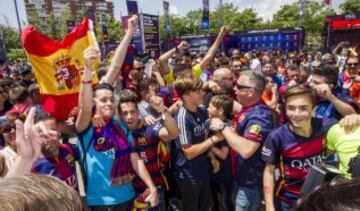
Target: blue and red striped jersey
{"x":146,"y":144}
{"x":62,"y":168}
{"x":294,"y":155}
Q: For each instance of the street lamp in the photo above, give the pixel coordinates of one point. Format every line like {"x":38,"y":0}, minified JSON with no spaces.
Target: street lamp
{"x":18,"y":20}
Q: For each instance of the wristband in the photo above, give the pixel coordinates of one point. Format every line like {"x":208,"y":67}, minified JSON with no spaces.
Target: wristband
{"x":86,"y":81}
{"x":177,"y":49}
{"x":212,"y":140}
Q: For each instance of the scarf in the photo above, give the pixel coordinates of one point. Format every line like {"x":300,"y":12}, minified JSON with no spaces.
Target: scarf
{"x":112,"y":136}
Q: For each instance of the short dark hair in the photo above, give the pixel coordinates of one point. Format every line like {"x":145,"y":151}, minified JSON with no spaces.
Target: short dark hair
{"x":292,"y":67}
{"x":42,"y":116}
{"x":224,"y":102}
{"x":301,"y":90}
{"x":144,"y":85}
{"x":103,"y":86}
{"x":339,"y":195}
{"x":127,"y":96}
{"x":329,"y":72}
{"x":18,"y":94}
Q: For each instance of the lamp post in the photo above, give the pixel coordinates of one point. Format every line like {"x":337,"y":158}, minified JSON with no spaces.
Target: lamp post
{"x":18,"y":20}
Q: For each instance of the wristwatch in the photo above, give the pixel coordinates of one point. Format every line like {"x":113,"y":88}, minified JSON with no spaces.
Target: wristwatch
{"x":221,"y":126}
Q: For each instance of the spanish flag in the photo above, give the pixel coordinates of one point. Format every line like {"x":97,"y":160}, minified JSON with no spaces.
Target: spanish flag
{"x":57,"y":65}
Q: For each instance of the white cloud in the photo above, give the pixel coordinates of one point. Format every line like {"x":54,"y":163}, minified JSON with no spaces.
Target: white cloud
{"x":173,"y":9}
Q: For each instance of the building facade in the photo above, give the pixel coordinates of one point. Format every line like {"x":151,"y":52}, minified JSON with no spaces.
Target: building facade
{"x":38,"y":11}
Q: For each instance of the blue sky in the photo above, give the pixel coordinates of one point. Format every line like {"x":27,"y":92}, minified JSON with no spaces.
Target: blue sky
{"x":265,"y":8}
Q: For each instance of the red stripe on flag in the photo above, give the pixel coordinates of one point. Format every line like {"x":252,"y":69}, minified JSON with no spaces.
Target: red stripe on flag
{"x":40,"y":45}
{"x":59,"y":105}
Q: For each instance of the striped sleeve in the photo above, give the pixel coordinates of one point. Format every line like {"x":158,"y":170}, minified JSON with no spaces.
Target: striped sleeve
{"x":185,"y":135}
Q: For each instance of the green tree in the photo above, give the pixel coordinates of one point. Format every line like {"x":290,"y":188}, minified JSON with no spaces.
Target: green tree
{"x":66,"y":15}
{"x":313,"y":21}
{"x":52,"y":27}
{"x":33,"y":18}
{"x":114,"y":28}
{"x":350,"y":6}
{"x":11,"y":37}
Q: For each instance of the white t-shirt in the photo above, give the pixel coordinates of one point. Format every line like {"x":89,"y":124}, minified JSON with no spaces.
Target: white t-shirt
{"x":255,"y":65}
{"x":10,"y":156}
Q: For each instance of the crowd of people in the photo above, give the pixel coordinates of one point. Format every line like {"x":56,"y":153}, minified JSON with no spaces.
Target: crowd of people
{"x":204,"y":131}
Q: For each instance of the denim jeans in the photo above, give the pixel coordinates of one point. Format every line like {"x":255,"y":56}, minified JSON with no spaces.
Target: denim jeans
{"x":283,"y":206}
{"x":248,"y":199}
{"x":195,"y":196}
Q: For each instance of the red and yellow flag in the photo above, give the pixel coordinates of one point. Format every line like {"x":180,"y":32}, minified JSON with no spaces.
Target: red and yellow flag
{"x":57,"y":65}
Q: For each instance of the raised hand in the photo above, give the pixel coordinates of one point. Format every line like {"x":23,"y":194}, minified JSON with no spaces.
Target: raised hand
{"x":223,"y":30}
{"x":90,"y":54}
{"x":183,"y":45}
{"x":133,"y":22}
{"x":28,"y":144}
{"x":157,"y":103}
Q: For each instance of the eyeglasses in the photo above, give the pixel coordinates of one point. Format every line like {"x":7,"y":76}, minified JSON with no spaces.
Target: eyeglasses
{"x":238,"y":86}
{"x":9,"y":128}
{"x":353,"y":64}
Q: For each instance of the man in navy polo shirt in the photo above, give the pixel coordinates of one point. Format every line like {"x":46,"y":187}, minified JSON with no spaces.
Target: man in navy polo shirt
{"x":253,"y":124}
{"x":192,"y":166}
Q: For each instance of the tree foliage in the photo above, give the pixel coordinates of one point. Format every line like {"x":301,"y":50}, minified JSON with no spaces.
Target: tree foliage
{"x":350,"y":6}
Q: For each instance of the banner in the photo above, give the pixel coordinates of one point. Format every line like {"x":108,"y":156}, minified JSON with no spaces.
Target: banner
{"x":302,"y":8}
{"x":70,"y":25}
{"x":104,"y":28}
{"x":57,"y":65}
{"x":151,"y":35}
{"x":132,"y":7}
{"x":137,"y":38}
{"x":166,"y":15}
{"x":206,"y":15}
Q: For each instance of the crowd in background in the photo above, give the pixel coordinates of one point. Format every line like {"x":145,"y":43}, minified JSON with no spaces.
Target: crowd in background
{"x":187,"y":131}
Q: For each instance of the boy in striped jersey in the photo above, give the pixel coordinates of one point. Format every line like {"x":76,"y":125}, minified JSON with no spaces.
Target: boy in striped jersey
{"x":294,"y":148}
{"x":148,"y":138}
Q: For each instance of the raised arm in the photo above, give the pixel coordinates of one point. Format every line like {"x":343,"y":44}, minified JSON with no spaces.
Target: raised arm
{"x":120,"y":52}
{"x":212,"y":51}
{"x":170,"y":131}
{"x":86,"y":95}
{"x":337,"y":48}
{"x":163,"y":60}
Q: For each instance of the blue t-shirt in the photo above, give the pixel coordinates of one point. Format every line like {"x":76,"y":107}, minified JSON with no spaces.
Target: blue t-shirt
{"x":98,"y":172}
{"x":325,"y":109}
{"x":192,"y":131}
{"x":255,"y":123}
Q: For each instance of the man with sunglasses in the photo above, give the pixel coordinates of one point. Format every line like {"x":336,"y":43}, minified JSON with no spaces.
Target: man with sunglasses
{"x":253,"y":124}
{"x":352,"y":78}
{"x":8,"y":154}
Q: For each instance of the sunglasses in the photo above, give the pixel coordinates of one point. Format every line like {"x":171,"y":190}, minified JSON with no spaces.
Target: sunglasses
{"x":8,"y":128}
{"x":353,"y":64}
{"x":238,"y":86}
